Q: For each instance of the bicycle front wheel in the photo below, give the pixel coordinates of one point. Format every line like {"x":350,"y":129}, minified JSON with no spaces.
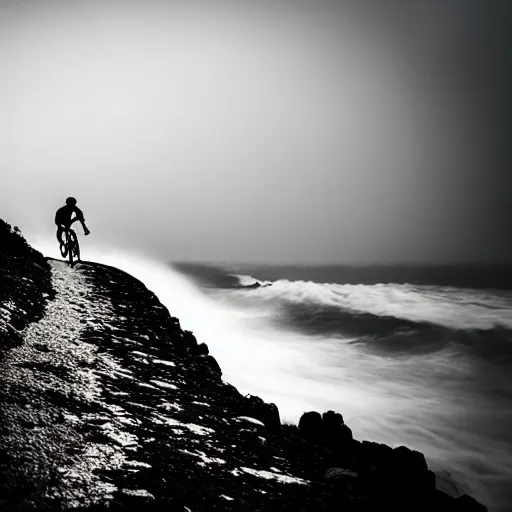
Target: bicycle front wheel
{"x":77,"y":249}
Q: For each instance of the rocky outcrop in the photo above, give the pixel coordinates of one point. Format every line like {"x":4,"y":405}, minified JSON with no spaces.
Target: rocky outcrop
{"x":255,"y":285}
{"x":108,"y":404}
{"x":329,"y":427}
{"x":267,"y":413}
{"x":25,"y":285}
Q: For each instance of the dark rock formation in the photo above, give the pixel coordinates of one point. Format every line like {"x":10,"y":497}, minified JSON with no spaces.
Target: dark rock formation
{"x":267,"y":413}
{"x":466,"y":503}
{"x":201,"y":349}
{"x":328,"y":428}
{"x":255,"y":285}
{"x":310,"y":425}
{"x":25,"y":285}
{"x":107,"y":404}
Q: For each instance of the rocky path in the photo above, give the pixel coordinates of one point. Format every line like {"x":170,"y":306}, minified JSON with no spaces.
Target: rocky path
{"x":51,"y":377}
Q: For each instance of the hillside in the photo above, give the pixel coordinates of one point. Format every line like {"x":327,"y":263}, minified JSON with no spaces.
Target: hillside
{"x":106,"y":403}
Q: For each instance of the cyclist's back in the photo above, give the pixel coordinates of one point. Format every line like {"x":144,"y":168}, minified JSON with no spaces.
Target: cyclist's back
{"x":65,"y":213}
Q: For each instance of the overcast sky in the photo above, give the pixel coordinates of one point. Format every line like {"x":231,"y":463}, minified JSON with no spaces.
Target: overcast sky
{"x":280,"y":131}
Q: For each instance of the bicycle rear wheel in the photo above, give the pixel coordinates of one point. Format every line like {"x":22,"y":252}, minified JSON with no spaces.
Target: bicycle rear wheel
{"x":73,"y":248}
{"x":64,"y":246}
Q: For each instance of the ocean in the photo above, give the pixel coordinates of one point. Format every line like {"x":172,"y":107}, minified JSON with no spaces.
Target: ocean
{"x":414,"y":355}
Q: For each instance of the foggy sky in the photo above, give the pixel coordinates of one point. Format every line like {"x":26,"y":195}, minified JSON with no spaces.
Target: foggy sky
{"x":281,"y":131}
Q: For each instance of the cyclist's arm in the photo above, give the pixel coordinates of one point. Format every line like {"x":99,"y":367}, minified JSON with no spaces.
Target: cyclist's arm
{"x":80,"y":217}
{"x":78,"y":214}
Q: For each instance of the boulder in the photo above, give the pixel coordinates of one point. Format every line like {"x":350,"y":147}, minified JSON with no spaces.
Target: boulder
{"x":255,"y":407}
{"x":200,"y":350}
{"x":340,"y":474}
{"x":343,"y":480}
{"x":213,"y":365}
{"x":189,"y":339}
{"x":328,"y":428}
{"x":252,"y":421}
{"x":407,"y":460}
{"x":332,"y":419}
{"x":310,"y":425}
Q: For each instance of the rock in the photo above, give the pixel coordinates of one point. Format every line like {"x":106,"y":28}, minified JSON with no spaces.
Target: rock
{"x":342,"y":481}
{"x":336,"y":432}
{"x":28,"y":422}
{"x":329,"y":428}
{"x":466,"y":503}
{"x":190,"y":339}
{"x":257,"y":284}
{"x":342,"y":436}
{"x":428,"y":480}
{"x":381,"y":454}
{"x":399,"y":472}
{"x":340,"y":474}
{"x":200,"y":350}
{"x":254,"y":285}
{"x":247,"y":419}
{"x":443,"y":501}
{"x":310,"y":424}
{"x":332,"y":419}
{"x":407,"y":460}
{"x":255,"y":407}
{"x":214,"y":366}
{"x":42,"y":347}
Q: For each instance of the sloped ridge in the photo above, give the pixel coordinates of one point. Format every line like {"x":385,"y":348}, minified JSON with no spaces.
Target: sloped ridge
{"x":25,"y":285}
{"x":108,"y":404}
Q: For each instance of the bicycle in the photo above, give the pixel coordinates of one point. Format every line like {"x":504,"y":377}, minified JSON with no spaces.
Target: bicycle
{"x":71,"y":247}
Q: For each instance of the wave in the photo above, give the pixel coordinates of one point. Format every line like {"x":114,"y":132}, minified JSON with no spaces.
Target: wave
{"x":447,"y":306}
{"x":391,"y":318}
{"x":210,"y":276}
{"x":250,"y":282}
{"x":393,"y":305}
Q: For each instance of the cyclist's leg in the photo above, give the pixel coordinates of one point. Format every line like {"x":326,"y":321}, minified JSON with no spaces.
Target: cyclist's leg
{"x":64,"y":240}
{"x":60,"y":232}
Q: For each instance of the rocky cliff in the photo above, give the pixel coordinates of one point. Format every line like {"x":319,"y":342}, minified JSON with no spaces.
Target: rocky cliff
{"x":107,"y":404}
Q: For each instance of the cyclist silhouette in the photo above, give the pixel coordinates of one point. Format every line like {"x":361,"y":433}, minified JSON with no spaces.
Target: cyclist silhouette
{"x":64,"y":218}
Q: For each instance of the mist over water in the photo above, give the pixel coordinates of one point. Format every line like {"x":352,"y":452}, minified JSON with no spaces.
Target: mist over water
{"x":449,"y":398}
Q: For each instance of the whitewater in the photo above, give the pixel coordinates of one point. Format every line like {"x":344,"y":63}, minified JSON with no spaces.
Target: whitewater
{"x":440,"y":389}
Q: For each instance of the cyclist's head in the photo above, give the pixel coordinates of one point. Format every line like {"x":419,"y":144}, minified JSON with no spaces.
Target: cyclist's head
{"x":71,"y":201}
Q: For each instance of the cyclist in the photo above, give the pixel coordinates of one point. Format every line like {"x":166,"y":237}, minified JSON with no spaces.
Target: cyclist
{"x":64,"y":218}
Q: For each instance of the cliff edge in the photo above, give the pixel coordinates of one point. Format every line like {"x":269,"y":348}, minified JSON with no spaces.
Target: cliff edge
{"x":106,"y":403}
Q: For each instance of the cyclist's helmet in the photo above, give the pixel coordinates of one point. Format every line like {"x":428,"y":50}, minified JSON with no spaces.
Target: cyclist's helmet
{"x":71,"y":201}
